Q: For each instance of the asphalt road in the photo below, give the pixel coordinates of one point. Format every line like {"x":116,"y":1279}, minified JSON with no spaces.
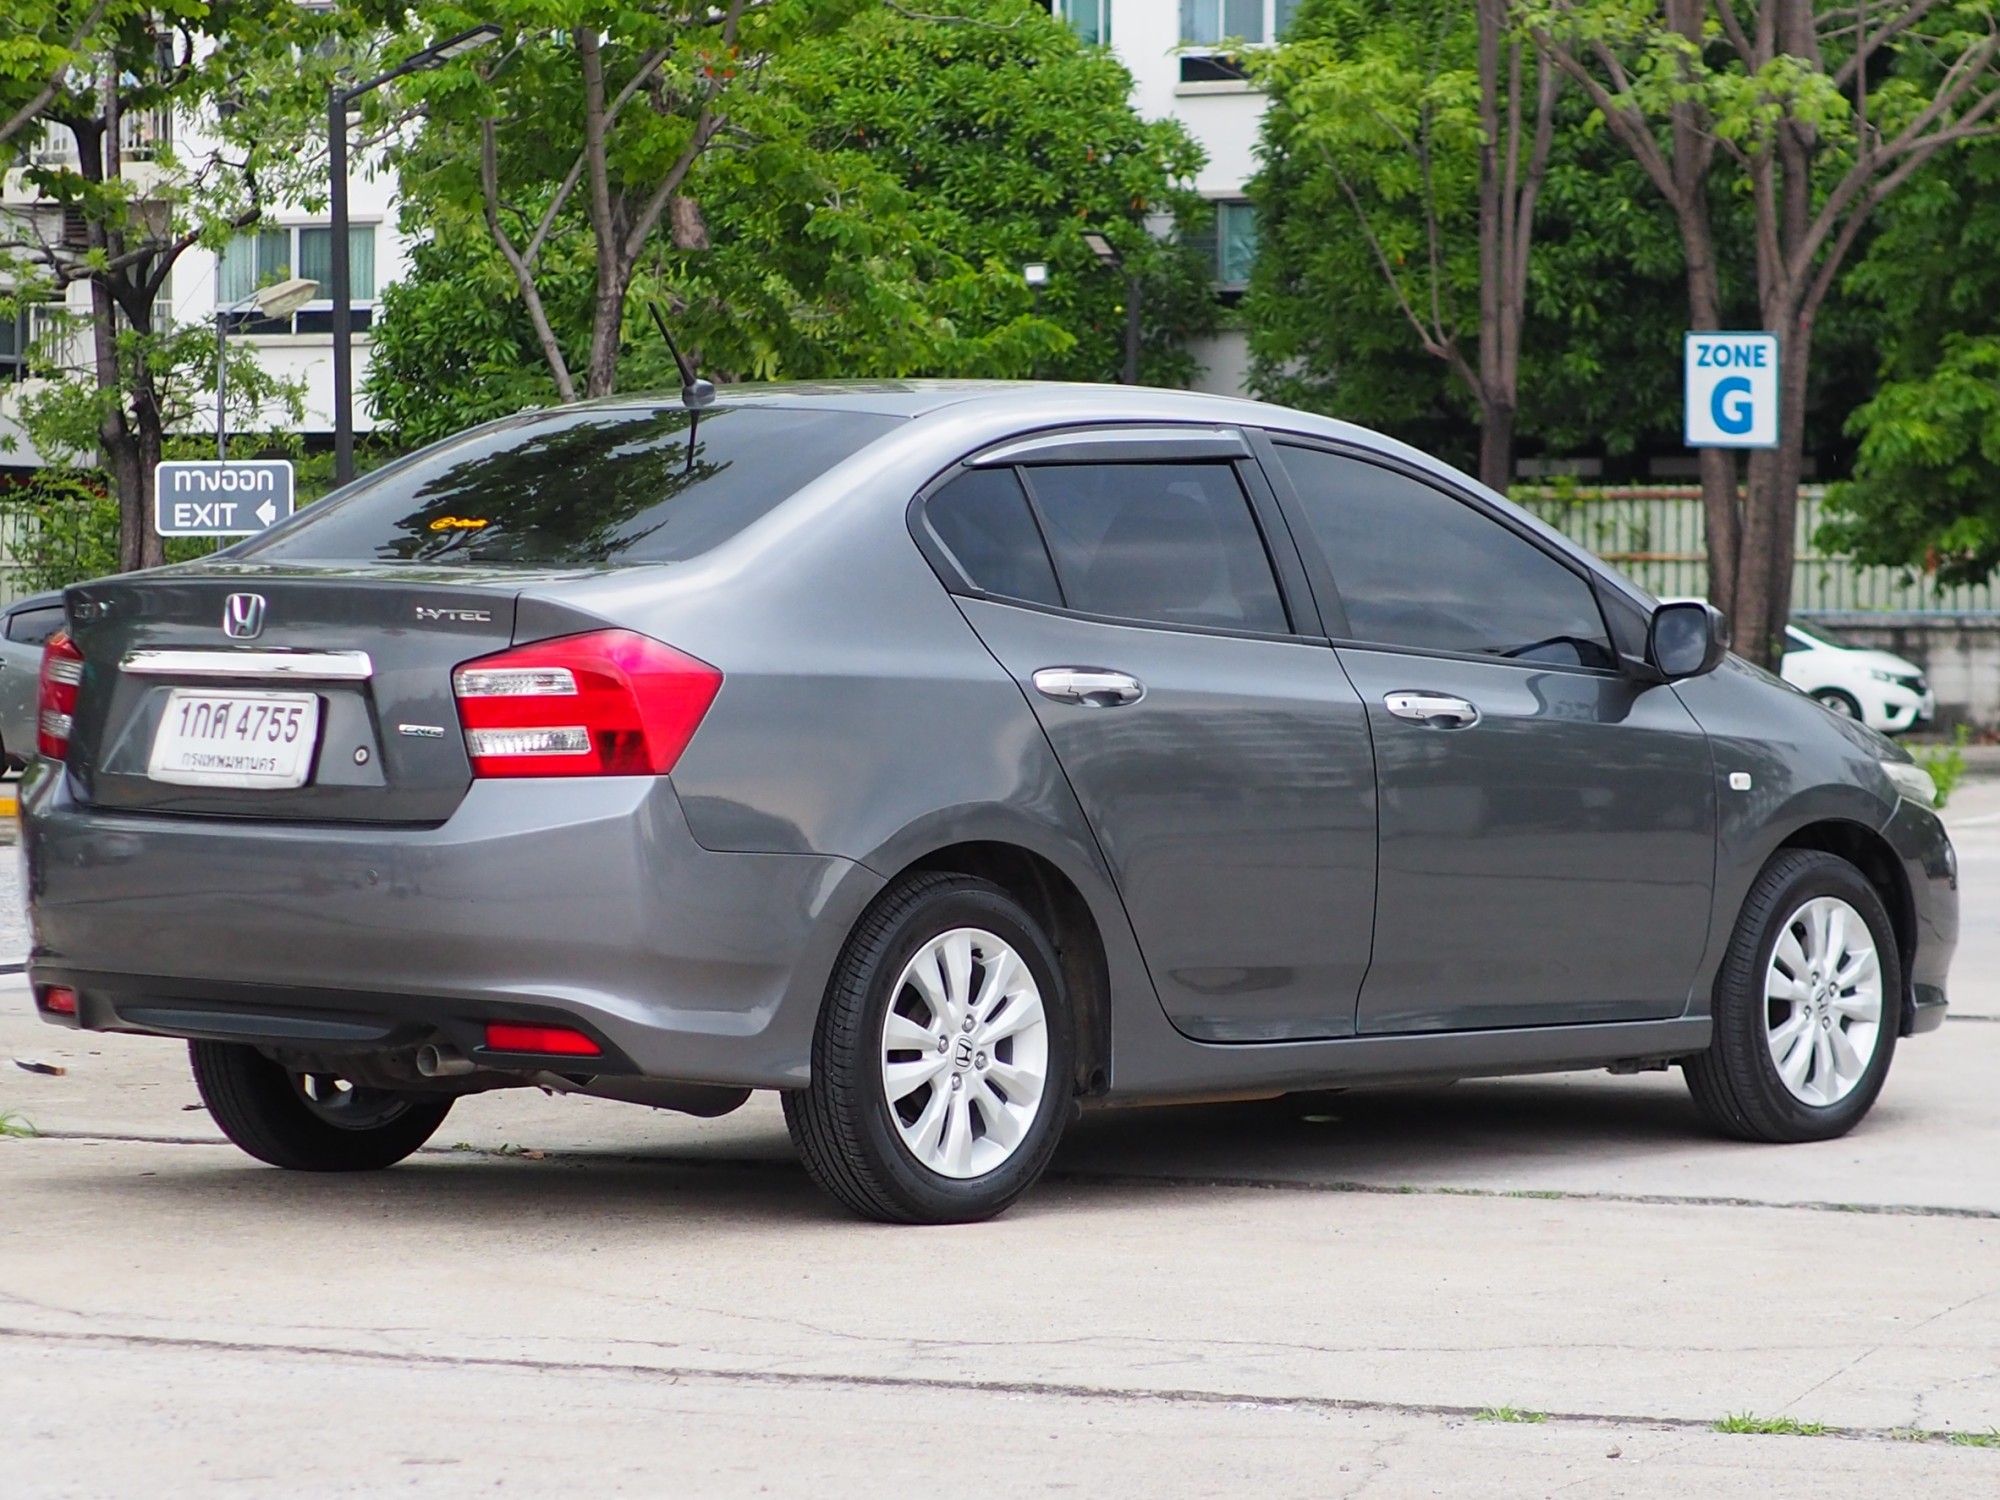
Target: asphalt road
{"x":1312,"y":1297}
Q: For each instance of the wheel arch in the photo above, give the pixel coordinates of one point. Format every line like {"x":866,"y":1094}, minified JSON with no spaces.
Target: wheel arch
{"x":1876,"y":859}
{"x":1056,"y":902}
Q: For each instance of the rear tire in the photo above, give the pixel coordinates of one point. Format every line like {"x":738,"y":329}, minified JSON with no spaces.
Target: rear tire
{"x":1804,"y":1035}
{"x":274,"y":1114}
{"x":941,"y":1069}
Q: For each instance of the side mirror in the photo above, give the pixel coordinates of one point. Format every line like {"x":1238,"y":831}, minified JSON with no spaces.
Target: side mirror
{"x":1687,"y":640}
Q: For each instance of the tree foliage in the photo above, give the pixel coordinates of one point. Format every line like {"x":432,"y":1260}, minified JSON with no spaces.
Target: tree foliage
{"x":868,"y":216}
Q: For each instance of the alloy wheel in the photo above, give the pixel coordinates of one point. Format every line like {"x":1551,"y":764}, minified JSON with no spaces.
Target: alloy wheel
{"x":1823,"y":1001}
{"x":965,"y":1053}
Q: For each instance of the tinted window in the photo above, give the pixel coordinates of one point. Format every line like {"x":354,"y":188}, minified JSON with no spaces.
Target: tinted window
{"x":33,"y":626}
{"x":1173,"y":543}
{"x":1417,"y":568}
{"x":982,"y":518}
{"x":579,"y":486}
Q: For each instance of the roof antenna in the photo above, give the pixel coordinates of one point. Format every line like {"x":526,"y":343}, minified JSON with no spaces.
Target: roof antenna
{"x":695,"y":392}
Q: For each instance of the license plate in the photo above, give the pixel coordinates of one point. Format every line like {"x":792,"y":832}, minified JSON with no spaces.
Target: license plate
{"x":242,"y":739}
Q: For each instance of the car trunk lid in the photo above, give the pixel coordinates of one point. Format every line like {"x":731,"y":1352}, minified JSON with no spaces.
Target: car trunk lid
{"x":363,"y":655}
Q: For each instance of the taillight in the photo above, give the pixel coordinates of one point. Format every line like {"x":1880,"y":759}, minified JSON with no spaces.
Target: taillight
{"x":610,"y":703}
{"x":554,"y":1041}
{"x":62,"y":673}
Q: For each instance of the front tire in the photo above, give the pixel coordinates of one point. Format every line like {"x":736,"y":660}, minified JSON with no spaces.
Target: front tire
{"x":941,"y":1074}
{"x":1844,"y":704}
{"x":307,"y":1122}
{"x":1807,"y":1006}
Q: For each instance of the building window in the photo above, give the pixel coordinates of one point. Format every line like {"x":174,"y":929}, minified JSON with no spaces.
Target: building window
{"x":14,"y":345}
{"x":1231,"y":243}
{"x":267,"y":255}
{"x":1205,"y":23}
{"x":1090,"y":18}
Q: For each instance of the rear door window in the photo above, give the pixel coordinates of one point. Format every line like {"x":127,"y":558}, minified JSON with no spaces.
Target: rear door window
{"x":982,"y":517}
{"x":1166,"y":543}
{"x":578,"y":487}
{"x":1418,"y":568}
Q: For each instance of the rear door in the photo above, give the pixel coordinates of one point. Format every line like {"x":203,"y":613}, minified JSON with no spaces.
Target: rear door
{"x":1547,"y":821}
{"x":1128,"y":584}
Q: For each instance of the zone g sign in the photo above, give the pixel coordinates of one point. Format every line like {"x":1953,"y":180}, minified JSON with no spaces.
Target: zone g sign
{"x":1732,"y":390}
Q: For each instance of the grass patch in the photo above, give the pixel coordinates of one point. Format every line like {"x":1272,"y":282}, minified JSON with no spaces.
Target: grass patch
{"x":1990,"y":1438}
{"x":14,"y":1125}
{"x":1744,"y":1421}
{"x":1508,"y":1414}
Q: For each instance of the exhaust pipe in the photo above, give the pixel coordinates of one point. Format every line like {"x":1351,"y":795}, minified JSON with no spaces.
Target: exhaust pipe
{"x":434,"y":1061}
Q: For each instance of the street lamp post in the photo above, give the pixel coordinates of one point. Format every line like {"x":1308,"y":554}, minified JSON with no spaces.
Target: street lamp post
{"x":1107,"y":254}
{"x":337,"y":103}
{"x":279,"y":301}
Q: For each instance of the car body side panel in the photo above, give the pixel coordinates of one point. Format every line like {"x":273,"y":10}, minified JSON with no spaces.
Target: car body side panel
{"x":20,"y":671}
{"x":1805,"y":767}
{"x":1550,"y":863}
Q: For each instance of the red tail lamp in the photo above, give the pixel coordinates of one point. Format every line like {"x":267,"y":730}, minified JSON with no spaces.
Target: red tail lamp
{"x":553,"y":1041}
{"x":56,"y":999}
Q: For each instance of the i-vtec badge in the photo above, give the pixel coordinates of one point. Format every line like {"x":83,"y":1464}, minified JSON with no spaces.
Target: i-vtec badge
{"x":243,"y":616}
{"x":456,"y":616}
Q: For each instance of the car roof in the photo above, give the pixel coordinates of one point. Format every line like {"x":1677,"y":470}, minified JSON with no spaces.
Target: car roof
{"x":918,"y":398}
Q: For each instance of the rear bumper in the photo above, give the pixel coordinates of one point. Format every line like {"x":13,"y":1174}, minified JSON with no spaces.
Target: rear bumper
{"x":583,"y":901}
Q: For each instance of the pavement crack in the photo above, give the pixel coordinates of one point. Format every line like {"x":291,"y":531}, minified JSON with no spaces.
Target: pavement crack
{"x":834,"y":1380}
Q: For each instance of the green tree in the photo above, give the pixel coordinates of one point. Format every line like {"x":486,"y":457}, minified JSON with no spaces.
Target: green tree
{"x":875,"y":222}
{"x":230,"y":65}
{"x":1926,"y":487}
{"x":1601,"y":316}
{"x":1428,"y":135}
{"x":42,"y":42}
{"x":1822,"y":112}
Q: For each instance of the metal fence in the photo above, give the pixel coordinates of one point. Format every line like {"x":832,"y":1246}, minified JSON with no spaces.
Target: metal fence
{"x":18,"y":525}
{"x":1655,"y":537}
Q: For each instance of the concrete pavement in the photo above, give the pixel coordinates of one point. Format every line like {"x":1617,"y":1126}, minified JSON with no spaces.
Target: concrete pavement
{"x":1306,"y":1297}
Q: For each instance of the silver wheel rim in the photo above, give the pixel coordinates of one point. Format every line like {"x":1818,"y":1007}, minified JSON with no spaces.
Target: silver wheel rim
{"x":1840,"y":705}
{"x":965,"y":1053}
{"x":1823,"y":1001}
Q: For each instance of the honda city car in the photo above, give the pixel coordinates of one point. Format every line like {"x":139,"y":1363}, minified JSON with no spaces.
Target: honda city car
{"x":950,"y":757}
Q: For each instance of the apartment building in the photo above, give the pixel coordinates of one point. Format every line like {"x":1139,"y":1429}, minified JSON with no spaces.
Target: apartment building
{"x":1181,"y":54}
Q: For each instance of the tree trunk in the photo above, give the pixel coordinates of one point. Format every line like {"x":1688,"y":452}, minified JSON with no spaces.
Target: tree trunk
{"x":1496,"y":445}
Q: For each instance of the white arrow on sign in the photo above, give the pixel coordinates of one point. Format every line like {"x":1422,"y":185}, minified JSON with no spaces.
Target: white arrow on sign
{"x":267,"y":513}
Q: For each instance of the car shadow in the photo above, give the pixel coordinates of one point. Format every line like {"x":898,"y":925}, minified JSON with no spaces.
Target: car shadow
{"x":1434,"y":1135}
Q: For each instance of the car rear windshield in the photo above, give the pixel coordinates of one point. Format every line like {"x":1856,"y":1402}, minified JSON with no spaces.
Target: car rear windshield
{"x":579,"y":487}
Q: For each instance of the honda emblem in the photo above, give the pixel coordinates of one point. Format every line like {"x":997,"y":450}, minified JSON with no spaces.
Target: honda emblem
{"x":243,"y":616}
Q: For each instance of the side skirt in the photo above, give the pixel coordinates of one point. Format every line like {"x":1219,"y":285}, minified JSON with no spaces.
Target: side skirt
{"x":1152,"y":1069}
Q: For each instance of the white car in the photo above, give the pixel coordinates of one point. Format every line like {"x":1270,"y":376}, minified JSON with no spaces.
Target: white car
{"x":1884,"y":691}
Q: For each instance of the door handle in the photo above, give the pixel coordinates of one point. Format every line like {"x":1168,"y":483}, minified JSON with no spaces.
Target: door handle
{"x":1432,"y":710}
{"x":1092,"y":687}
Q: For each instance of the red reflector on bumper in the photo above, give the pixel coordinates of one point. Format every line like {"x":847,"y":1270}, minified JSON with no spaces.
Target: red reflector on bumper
{"x":56,"y":1000}
{"x":559,"y":1041}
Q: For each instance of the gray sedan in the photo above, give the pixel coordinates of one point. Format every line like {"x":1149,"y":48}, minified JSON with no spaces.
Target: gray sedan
{"x":25,"y":627}
{"x":949,"y":757}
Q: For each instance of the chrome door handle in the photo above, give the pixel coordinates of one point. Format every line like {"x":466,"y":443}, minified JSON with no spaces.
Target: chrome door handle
{"x":1432,"y":710}
{"x":1092,"y":687}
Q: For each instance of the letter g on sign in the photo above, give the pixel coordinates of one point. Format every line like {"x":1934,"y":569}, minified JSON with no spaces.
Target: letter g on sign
{"x":1731,"y":407}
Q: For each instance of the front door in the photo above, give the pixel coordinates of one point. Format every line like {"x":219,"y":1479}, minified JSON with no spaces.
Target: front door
{"x":1222,"y":759}
{"x":1547,"y":821}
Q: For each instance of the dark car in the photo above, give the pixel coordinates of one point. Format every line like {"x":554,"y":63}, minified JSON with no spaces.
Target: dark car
{"x":946,"y":756}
